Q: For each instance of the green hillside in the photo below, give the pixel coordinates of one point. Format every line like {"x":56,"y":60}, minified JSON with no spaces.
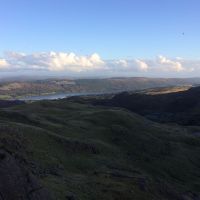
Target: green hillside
{"x":78,"y":151}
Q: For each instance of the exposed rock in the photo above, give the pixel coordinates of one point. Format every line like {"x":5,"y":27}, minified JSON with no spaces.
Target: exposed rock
{"x":16,"y":183}
{"x":142,"y":184}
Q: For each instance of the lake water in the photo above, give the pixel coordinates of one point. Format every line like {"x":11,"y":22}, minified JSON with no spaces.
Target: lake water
{"x":55,"y":96}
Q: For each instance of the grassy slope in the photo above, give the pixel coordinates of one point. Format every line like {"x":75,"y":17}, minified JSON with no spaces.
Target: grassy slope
{"x":175,"y":107}
{"x":100,"y":153}
{"x":166,"y":90}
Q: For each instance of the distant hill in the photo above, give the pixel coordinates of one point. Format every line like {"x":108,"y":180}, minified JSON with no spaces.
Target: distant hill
{"x":15,"y":89}
{"x":178,"y":107}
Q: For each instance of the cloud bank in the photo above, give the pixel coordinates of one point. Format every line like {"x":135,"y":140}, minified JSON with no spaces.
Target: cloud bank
{"x":70,"y":63}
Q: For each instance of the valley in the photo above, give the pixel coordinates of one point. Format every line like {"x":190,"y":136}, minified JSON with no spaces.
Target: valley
{"x":17,"y":88}
{"x":99,"y":148}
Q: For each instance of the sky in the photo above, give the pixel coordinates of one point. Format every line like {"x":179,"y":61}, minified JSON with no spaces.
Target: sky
{"x":158,"y":38}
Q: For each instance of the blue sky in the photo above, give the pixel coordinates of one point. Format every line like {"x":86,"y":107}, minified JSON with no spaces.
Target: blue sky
{"x":114,"y":29}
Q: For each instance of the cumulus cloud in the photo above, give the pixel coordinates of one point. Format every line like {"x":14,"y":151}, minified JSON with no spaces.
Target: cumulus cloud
{"x":143,"y":66}
{"x":122,"y":63}
{"x":78,"y":64}
{"x":3,"y":64}
{"x":55,"y":61}
{"x":72,"y":62}
{"x":170,"y":65}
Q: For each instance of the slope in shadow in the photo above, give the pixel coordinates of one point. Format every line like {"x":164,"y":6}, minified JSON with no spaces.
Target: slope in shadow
{"x":181,"y":107}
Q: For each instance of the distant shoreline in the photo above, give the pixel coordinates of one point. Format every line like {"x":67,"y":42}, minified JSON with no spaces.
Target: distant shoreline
{"x":58,"y":96}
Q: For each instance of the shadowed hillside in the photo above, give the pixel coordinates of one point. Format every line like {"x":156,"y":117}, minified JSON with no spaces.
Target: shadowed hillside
{"x":179,"y":107}
{"x":64,"y":150}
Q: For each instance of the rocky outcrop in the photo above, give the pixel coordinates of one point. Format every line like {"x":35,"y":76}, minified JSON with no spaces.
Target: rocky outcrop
{"x":16,"y":182}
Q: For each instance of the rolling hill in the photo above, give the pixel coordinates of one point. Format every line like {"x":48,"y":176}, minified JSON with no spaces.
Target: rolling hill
{"x":61,"y":149}
{"x":176,"y":107}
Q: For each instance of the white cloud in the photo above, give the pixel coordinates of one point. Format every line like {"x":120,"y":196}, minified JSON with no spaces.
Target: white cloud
{"x":170,"y":65}
{"x":143,"y":66}
{"x":122,"y":63}
{"x":54,"y":61}
{"x":3,"y":64}
{"x":71,"y":63}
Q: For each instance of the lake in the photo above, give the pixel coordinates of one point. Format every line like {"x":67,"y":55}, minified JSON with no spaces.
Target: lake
{"x":55,"y":96}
